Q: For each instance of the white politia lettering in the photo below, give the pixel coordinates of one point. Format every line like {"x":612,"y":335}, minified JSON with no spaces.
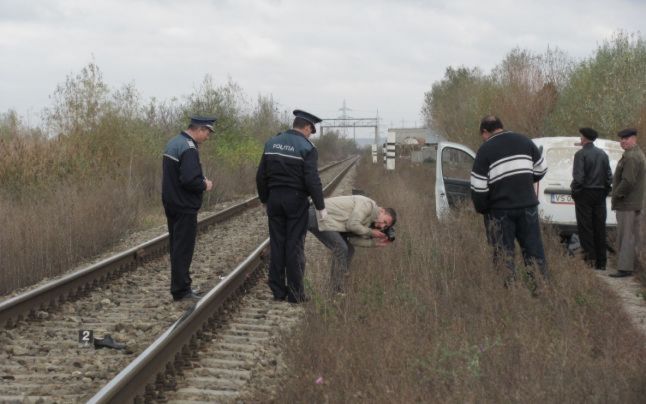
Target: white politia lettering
{"x":284,"y":147}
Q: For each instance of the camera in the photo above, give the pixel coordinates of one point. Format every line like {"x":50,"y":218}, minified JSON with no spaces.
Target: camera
{"x":390,"y":233}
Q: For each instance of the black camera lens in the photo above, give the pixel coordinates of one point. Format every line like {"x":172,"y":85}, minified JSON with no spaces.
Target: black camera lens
{"x":390,"y":233}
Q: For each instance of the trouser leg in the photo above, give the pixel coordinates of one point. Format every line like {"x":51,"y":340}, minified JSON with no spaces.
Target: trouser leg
{"x":528,"y":233}
{"x":342,"y":252}
{"x":341,"y":256}
{"x":500,"y":229}
{"x":182,"y":233}
{"x":350,"y":251}
{"x":170,"y":221}
{"x":296,"y":229}
{"x":584,"y":208}
{"x":599,"y":215}
{"x":627,"y":237}
{"x":277,"y":223}
{"x":638,"y":235}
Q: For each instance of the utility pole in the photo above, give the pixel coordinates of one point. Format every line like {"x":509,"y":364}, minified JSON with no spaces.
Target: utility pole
{"x":377,"y":128}
{"x":344,"y":115}
{"x":344,"y":110}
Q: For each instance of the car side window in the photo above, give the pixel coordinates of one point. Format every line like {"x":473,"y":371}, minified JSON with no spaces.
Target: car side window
{"x":456,"y":164}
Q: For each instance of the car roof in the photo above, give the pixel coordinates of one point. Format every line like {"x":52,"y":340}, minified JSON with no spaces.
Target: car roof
{"x":573,"y":141}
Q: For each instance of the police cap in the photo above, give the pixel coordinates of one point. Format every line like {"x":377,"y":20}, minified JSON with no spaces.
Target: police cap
{"x":589,"y":133}
{"x":313,"y":119}
{"x":627,"y":132}
{"x":206,"y":121}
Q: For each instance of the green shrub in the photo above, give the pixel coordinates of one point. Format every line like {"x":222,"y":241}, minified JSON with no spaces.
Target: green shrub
{"x":606,"y":91}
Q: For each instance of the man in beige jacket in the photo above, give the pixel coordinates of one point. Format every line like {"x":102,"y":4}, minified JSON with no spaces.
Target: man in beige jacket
{"x":350,"y":221}
{"x":628,"y":200}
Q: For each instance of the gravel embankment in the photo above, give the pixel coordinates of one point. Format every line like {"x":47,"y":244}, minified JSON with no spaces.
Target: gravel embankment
{"x":40,"y":359}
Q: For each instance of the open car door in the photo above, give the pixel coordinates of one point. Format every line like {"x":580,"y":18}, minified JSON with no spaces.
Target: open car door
{"x":452,"y":176}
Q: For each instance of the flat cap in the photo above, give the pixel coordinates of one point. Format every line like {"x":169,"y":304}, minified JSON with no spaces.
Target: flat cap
{"x":311,"y":118}
{"x":206,"y":121}
{"x":589,"y":133}
{"x":627,"y":132}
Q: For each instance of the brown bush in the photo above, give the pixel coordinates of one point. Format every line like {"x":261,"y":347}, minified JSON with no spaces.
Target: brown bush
{"x":42,"y":236}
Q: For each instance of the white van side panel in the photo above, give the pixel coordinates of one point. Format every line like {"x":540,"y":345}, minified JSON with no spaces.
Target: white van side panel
{"x":555,"y":203}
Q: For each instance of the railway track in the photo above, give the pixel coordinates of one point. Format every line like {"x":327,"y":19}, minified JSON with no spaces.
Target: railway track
{"x":41,"y":359}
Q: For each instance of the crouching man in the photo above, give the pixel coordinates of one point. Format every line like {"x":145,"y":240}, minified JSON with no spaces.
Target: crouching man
{"x":346,"y":222}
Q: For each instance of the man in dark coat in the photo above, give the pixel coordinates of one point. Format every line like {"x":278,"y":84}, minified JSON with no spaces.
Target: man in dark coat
{"x":182,"y":186}
{"x":287,"y":175}
{"x":591,"y":183}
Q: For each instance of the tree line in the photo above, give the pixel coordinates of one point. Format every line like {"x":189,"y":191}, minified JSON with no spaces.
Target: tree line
{"x":548,"y":94}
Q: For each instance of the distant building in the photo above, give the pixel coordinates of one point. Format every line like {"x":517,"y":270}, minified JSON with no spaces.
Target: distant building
{"x":415,"y":136}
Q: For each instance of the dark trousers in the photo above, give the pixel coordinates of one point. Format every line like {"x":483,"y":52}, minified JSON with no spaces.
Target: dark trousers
{"x":342,"y":251}
{"x":590,"y":205}
{"x":504,"y":226}
{"x":182,"y":230}
{"x":287,"y":213}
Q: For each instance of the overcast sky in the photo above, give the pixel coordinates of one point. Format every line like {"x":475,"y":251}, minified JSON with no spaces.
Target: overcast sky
{"x":375,"y":55}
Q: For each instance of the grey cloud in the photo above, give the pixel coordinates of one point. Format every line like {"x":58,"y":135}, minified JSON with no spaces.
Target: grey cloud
{"x":29,"y":11}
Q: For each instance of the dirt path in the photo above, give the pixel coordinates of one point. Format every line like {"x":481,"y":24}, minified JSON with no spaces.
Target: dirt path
{"x":630,"y":291}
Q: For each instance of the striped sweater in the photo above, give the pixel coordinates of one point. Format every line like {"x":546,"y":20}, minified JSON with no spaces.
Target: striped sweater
{"x":504,"y":172}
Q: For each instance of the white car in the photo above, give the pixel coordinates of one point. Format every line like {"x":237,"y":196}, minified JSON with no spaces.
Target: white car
{"x":455,"y":161}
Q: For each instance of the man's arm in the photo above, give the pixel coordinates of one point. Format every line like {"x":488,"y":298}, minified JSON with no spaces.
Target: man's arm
{"x":190,"y":172}
{"x":261,"y":180}
{"x":628,"y":179}
{"x":362,"y":241}
{"x":540,"y":166}
{"x":608,"y":185}
{"x":312,"y":179}
{"x":578,"y":173}
{"x":480,"y":184}
{"x":360,"y":212}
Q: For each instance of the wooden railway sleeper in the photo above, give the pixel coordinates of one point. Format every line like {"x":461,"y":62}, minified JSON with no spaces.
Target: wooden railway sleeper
{"x":170,"y":377}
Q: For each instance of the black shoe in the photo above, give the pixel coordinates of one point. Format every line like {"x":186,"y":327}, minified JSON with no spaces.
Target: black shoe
{"x":192,"y":295}
{"x":279,"y":299}
{"x":621,"y":274}
{"x":297,"y":300}
{"x":107,"y":342}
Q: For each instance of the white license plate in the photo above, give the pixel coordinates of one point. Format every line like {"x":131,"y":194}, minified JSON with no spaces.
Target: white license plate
{"x":562,"y":198}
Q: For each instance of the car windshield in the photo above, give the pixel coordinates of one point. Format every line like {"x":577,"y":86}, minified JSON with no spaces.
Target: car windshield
{"x":561,"y":159}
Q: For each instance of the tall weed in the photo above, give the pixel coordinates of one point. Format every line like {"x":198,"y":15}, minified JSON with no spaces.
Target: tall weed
{"x":428,"y":319}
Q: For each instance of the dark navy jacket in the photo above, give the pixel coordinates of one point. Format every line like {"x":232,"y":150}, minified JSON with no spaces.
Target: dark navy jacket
{"x":504,"y":172}
{"x":290,"y":160}
{"x":182,"y":182}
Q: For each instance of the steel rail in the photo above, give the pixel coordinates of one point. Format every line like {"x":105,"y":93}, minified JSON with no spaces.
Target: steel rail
{"x":144,"y":370}
{"x":75,"y":283}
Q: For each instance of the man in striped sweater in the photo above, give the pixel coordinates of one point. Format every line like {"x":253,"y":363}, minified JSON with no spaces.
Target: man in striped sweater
{"x":502,"y":188}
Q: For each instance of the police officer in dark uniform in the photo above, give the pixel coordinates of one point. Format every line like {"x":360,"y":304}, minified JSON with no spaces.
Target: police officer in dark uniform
{"x":287,"y":175}
{"x":182,"y":187}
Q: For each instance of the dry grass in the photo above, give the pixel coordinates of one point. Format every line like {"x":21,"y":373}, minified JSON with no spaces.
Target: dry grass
{"x":428,"y":320}
{"x":52,"y":229}
{"x":60,"y":210}
{"x":42,"y":237}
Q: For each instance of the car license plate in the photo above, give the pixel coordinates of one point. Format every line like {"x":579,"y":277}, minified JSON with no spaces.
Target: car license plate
{"x":562,"y":198}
